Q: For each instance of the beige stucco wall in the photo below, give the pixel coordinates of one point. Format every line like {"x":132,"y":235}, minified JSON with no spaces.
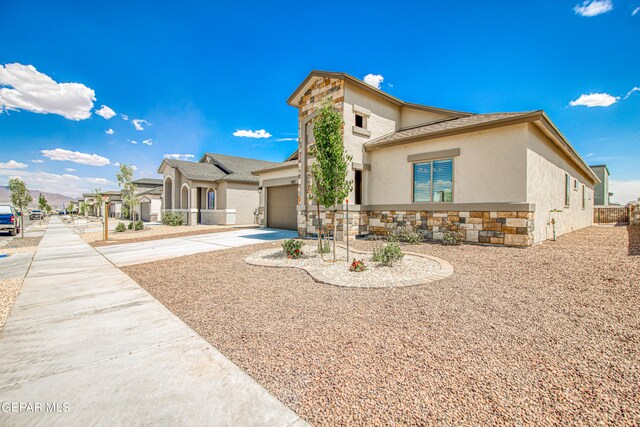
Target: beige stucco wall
{"x":244,"y":199}
{"x":287,"y":175}
{"x":490,"y":168}
{"x":413,"y":117}
{"x":546,"y":168}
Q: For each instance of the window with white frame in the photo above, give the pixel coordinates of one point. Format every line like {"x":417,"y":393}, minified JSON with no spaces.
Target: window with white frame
{"x":433,"y":181}
{"x":211,"y":199}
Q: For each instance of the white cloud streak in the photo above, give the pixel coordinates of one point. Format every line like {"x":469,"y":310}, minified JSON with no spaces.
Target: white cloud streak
{"x":67,"y":184}
{"x":593,"y":7}
{"x":595,"y":100}
{"x":179,"y":156}
{"x":62,"y":155}
{"x":105,"y":112}
{"x":70,"y":169}
{"x":22,"y":87}
{"x":252,"y":133}
{"x":287,"y":139}
{"x":140,"y":124}
{"x":148,"y":141}
{"x":37,"y":161}
{"x":635,"y":11}
{"x":12,"y":164}
{"x":635,"y":89}
{"x":109,"y":131}
{"x":124,"y":117}
{"x":374,"y":80}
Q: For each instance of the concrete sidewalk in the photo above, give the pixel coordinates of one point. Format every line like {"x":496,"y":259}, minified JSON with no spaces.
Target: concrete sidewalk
{"x":85,"y":337}
{"x":154,"y":250}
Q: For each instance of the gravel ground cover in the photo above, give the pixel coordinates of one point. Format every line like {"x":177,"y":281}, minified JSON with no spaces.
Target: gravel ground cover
{"x":154,"y":232}
{"x":9,"y":289}
{"x":21,"y":245}
{"x":541,"y":336}
{"x":409,"y":271}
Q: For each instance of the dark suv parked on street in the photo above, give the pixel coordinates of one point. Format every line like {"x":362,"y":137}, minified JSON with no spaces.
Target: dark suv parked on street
{"x":9,"y":219}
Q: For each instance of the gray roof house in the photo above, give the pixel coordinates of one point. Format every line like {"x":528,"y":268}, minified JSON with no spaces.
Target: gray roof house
{"x":217,"y":189}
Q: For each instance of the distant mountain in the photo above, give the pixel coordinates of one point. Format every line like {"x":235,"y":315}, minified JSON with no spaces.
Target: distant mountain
{"x":56,"y":201}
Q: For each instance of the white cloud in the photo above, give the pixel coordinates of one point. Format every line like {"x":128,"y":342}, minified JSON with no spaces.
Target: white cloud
{"x":105,"y":112}
{"x":67,"y":184}
{"x":252,"y":133}
{"x":374,"y":80}
{"x":589,"y":155}
{"x":124,"y":117}
{"x":70,"y":169}
{"x":287,"y":139}
{"x":109,"y":131}
{"x":139,"y":124}
{"x":593,"y":7}
{"x":62,"y":155}
{"x":37,"y":161}
{"x":635,"y":89}
{"x":635,"y":11}
{"x":22,"y":87}
{"x":148,"y":141}
{"x":595,"y":100}
{"x":133,"y":141}
{"x":12,"y":164}
{"x":179,"y":156}
{"x":624,"y":191}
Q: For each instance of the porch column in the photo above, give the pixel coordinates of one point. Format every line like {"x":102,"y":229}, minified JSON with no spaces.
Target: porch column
{"x":193,"y":206}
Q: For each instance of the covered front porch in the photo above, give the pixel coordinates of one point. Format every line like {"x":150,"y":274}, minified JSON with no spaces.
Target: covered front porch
{"x":197,"y":202}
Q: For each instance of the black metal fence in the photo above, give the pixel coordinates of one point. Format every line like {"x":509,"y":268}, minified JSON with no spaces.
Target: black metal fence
{"x":615,"y":215}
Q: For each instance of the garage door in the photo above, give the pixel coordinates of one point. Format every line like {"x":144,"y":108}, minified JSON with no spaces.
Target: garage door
{"x":281,"y":207}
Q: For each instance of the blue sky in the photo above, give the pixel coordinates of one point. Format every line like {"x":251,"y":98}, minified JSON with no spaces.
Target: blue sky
{"x":197,"y":72}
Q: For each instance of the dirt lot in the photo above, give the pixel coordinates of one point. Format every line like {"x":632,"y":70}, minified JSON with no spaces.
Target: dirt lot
{"x":546,"y":335}
{"x":154,"y":232}
{"x":20,"y":245}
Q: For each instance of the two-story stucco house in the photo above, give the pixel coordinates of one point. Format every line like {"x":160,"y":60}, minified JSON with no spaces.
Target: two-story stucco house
{"x":499,"y":178}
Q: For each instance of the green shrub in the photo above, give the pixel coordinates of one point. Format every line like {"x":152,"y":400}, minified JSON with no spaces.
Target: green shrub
{"x":292,"y":248}
{"x":130,"y":225}
{"x":120,"y":228}
{"x":172,"y":218}
{"x":387,"y":254}
{"x":138,"y":225}
{"x":406,"y":234}
{"x":324,"y":247}
{"x":450,"y":236}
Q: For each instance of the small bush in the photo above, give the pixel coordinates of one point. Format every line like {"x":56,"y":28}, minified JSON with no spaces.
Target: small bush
{"x":388,"y":254}
{"x":357,"y":265}
{"x":138,"y":225}
{"x":292,"y":248}
{"x":324,"y":247}
{"x":130,"y":225}
{"x":406,"y":234}
{"x":172,"y":218}
{"x":450,"y":237}
{"x":121,"y":228}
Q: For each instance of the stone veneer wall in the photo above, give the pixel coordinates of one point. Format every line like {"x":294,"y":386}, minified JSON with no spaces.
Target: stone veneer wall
{"x":309,"y":102}
{"x":496,"y":228}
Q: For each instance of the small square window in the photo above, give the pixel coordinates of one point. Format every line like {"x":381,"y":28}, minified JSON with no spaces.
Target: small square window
{"x":359,"y":121}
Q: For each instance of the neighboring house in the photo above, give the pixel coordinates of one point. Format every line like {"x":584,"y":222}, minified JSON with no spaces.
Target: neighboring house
{"x":149,"y":191}
{"x":92,"y":205}
{"x":498,"y":178}
{"x":601,"y":194}
{"x":218,"y":189}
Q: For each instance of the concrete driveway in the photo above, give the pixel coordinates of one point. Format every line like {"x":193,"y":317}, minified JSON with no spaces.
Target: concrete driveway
{"x":137,"y":253}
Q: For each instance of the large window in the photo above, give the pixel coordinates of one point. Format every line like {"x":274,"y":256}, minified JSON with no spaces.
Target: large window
{"x":433,"y":181}
{"x":584,"y":197}
{"x":567,"y":189}
{"x":211,"y":199}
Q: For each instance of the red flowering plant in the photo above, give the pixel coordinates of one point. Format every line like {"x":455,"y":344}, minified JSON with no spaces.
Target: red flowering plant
{"x":292,"y":248}
{"x":357,"y":265}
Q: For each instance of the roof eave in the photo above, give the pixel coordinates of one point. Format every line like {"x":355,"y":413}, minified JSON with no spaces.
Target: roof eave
{"x":274,"y":168}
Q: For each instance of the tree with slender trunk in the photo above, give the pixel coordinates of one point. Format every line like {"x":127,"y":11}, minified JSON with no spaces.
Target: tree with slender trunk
{"x":331,"y":164}
{"x":97,"y":194}
{"x":20,"y":197}
{"x":128,"y":188}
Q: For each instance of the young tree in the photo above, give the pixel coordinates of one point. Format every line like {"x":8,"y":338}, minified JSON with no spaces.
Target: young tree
{"x":330,"y":186}
{"x":128,"y":188}
{"x":20,"y":197}
{"x":97,"y":194}
{"x":70,"y":208}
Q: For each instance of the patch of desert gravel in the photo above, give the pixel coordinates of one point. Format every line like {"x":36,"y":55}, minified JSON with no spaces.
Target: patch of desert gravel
{"x":155,"y":232}
{"x":21,"y":245}
{"x":9,"y":289}
{"x":538,"y":336}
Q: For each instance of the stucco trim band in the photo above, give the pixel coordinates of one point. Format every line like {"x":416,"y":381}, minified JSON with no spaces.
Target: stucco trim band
{"x":433,"y":155}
